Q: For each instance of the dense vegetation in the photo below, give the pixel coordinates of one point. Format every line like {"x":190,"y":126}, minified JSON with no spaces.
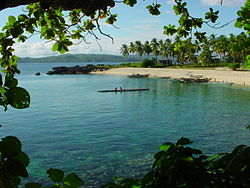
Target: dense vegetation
{"x":80,"y":58}
{"x":212,"y":51}
{"x":175,"y":165}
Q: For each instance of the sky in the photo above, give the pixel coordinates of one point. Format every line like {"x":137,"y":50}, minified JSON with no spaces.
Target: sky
{"x":133,"y":24}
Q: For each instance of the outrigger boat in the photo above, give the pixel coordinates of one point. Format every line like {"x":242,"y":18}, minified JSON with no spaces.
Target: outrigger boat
{"x":194,"y":80}
{"x":124,"y":90}
{"x":138,"y":75}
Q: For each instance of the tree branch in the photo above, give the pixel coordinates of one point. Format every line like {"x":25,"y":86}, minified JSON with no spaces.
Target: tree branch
{"x":88,"y":6}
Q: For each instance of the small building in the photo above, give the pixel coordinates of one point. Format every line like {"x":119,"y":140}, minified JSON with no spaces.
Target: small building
{"x":166,"y":62}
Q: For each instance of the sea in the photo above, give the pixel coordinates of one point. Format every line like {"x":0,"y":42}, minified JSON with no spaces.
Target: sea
{"x":101,"y":136}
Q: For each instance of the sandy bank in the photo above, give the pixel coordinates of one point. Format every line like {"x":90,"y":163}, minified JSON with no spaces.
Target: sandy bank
{"x":218,"y":75}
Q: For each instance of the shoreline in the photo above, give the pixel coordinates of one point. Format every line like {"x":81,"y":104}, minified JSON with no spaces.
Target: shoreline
{"x":220,"y":75}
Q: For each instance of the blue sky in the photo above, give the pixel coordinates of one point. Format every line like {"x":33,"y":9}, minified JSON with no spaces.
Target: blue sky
{"x":134,"y":24}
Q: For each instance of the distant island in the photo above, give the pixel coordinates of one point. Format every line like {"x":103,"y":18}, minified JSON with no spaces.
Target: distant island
{"x":81,"y":58}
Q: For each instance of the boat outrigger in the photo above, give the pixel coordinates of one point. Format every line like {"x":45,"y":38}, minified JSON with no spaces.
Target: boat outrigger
{"x":124,"y":90}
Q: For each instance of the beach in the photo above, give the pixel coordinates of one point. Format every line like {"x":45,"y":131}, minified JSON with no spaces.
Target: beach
{"x":216,"y":75}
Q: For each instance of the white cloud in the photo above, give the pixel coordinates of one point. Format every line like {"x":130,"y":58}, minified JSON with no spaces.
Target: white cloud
{"x":170,"y":2}
{"x":33,"y":49}
{"x":139,"y":30}
{"x":42,"y":49}
{"x":228,"y":3}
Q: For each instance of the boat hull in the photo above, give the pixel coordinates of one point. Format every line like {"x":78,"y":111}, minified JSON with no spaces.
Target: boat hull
{"x":125,"y":90}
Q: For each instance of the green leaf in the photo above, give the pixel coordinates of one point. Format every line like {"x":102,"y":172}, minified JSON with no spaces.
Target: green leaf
{"x":136,"y":186}
{"x":22,"y":158}
{"x":33,"y":185}
{"x":112,"y":19}
{"x":183,"y":141}
{"x":238,"y":149}
{"x":11,"y":19}
{"x":55,"y":47}
{"x":10,"y":146}
{"x":73,"y":181}
{"x":68,"y":42}
{"x":187,"y":159}
{"x":154,"y":9}
{"x":148,"y":178}
{"x":192,"y":151}
{"x":165,"y":147}
{"x":215,"y":157}
{"x":159,"y":155}
{"x":246,"y":26}
{"x":22,"y":17}
{"x":11,"y":83}
{"x":88,"y":25}
{"x":18,"y":97}
{"x":16,"y":168}
{"x":62,"y":48}
{"x":13,"y":60}
{"x":130,"y":2}
{"x":55,"y":175}
{"x":44,"y":29}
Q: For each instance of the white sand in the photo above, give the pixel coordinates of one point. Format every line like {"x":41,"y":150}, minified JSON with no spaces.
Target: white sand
{"x":218,"y":75}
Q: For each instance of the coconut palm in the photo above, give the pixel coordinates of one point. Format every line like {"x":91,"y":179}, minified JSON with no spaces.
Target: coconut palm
{"x":221,"y":47}
{"x":147,"y":48}
{"x":132,"y":48}
{"x":165,"y":48}
{"x":155,"y":47}
{"x":139,"y":48}
{"x":124,"y":50}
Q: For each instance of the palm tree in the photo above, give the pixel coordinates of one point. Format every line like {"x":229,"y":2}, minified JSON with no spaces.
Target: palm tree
{"x":147,"y":48}
{"x":212,"y":42}
{"x":155,"y":47}
{"x":124,"y":50}
{"x":221,"y":47}
{"x":192,"y":50}
{"x":165,"y":48}
{"x":232,"y":52}
{"x":205,"y":57}
{"x":139,"y":48}
{"x":179,"y":49}
{"x":132,"y":48}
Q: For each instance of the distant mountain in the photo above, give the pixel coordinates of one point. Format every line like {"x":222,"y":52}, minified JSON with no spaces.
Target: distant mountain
{"x":81,"y":58}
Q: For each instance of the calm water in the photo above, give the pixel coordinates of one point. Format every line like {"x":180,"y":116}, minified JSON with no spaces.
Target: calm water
{"x":99,"y":135}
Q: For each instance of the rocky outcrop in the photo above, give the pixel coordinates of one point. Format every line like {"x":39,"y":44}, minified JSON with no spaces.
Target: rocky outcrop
{"x":77,"y":69}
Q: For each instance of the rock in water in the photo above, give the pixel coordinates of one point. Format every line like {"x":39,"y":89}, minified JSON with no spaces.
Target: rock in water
{"x":76,"y":69}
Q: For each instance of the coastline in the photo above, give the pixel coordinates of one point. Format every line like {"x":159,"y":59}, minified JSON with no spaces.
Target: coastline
{"x":217,"y":75}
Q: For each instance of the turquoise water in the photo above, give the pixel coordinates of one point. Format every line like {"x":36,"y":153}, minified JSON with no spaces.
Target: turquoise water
{"x":99,"y":135}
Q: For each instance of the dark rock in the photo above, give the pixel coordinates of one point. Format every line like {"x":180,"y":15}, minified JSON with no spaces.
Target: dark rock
{"x":38,"y":74}
{"x":77,"y":69}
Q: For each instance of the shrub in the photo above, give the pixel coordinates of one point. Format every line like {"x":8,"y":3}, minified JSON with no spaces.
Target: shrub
{"x":233,"y":66}
{"x":179,"y":166}
{"x":247,"y":62}
{"x":160,"y":65}
{"x":175,"y":165}
{"x":148,"y":63}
